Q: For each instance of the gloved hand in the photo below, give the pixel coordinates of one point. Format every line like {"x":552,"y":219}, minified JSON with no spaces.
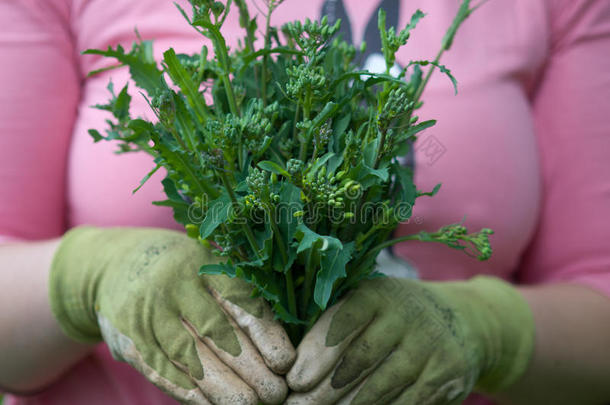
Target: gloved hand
{"x":407,"y":342}
{"x":203,"y":340}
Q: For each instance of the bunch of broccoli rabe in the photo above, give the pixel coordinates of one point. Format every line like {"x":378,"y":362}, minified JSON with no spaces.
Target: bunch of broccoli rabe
{"x":284,"y":159}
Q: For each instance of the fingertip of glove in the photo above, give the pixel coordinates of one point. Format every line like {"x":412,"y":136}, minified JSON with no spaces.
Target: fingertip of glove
{"x":280,"y":359}
{"x":274,"y":393}
{"x":298,"y":380}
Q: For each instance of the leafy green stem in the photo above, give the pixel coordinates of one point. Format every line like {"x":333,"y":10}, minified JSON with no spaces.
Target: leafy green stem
{"x":245,"y":227}
{"x":292,"y":301}
{"x":244,"y":21}
{"x":424,"y":83}
{"x":222,"y":54}
{"x":278,"y":237}
{"x":379,"y":152}
{"x":297,"y":110}
{"x":310,"y":270}
{"x":306,"y":113}
{"x":264,"y":71}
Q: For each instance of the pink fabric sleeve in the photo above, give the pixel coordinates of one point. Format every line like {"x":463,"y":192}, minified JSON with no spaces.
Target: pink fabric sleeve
{"x":572,"y":117}
{"x":36,"y":117}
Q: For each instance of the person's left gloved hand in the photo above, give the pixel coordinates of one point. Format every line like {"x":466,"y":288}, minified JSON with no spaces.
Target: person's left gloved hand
{"x":396,"y":341}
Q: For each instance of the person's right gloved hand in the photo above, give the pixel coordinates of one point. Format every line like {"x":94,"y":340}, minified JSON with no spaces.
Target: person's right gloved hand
{"x":203,"y":340}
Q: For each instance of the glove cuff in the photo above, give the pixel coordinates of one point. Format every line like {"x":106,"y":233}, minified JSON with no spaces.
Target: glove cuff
{"x":72,"y":286}
{"x":506,"y":327}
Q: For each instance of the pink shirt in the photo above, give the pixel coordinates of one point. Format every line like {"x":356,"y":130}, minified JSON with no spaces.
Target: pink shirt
{"x":523,"y":149}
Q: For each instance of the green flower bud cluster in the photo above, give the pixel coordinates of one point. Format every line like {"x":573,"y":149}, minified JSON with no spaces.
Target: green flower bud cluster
{"x":163,"y":102}
{"x":214,"y":159}
{"x":205,"y":8}
{"x":225,"y":242}
{"x":201,"y":3}
{"x":253,"y":203}
{"x":287,"y":145}
{"x":352,"y":152}
{"x":480,"y":241}
{"x":224,"y":136}
{"x":295,"y":166}
{"x":190,"y":62}
{"x":322,"y":136}
{"x":249,"y":130}
{"x":257,"y":181}
{"x":319,"y":190}
{"x":255,"y":125}
{"x":258,"y":186}
{"x":311,"y":35}
{"x":329,"y":189}
{"x":454,"y":235}
{"x":304,"y":125}
{"x":397,"y":104}
{"x":396,"y":41}
{"x":240,"y":93}
{"x":347,"y":51}
{"x":304,"y":79}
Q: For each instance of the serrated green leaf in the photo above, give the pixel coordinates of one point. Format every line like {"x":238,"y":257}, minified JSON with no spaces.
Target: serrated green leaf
{"x":442,"y":68}
{"x":95,"y":134}
{"x":185,"y":122}
{"x":121,"y":105}
{"x":218,"y":213}
{"x":415,"y":19}
{"x":146,"y":74}
{"x":430,"y":193}
{"x":332,"y":269}
{"x":175,"y":201}
{"x":463,"y":13}
{"x":181,"y":78}
{"x":145,"y":178}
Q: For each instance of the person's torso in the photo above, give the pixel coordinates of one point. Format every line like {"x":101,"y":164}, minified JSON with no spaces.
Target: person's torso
{"x":483,"y":148}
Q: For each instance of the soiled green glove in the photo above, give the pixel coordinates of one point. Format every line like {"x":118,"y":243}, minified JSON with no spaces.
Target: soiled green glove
{"x":407,"y":342}
{"x":201,"y":339}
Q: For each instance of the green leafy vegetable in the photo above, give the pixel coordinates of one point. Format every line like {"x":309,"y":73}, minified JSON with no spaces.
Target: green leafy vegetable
{"x":292,"y":173}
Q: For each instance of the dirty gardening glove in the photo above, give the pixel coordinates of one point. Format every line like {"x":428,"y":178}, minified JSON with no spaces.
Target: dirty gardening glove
{"x":407,"y":342}
{"x":197,"y":338}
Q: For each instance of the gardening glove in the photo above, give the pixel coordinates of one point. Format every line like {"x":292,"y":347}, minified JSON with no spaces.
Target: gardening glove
{"x":407,"y":342}
{"x":201,"y":339}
